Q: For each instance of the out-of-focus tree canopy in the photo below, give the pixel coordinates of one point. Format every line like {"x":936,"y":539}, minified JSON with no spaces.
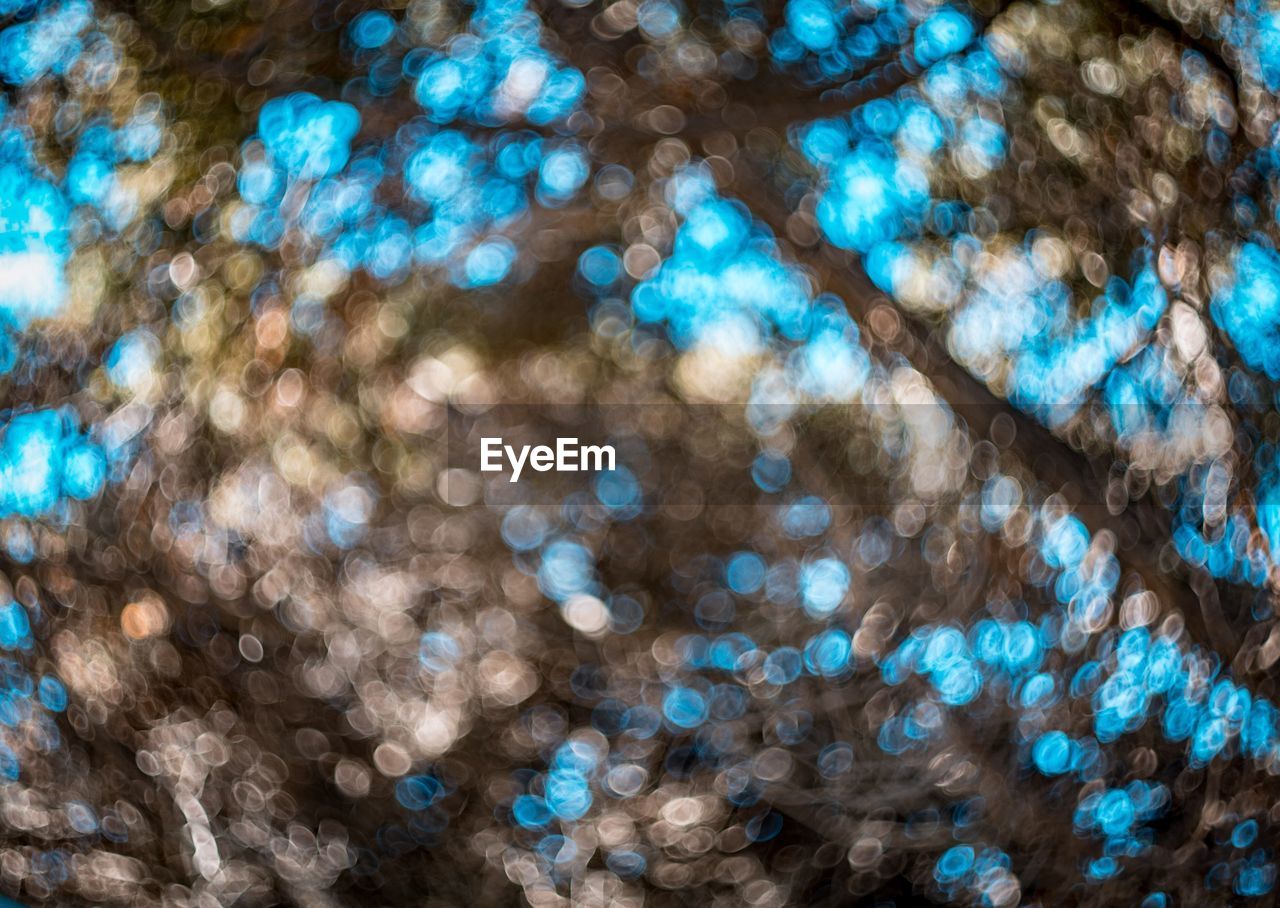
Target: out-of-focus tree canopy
{"x":940,"y":343}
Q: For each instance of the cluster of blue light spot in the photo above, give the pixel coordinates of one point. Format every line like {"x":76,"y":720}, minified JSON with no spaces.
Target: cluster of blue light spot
{"x":45,"y":459}
{"x":1227,"y":547}
{"x":877,"y":200}
{"x":724,"y":285}
{"x":824,"y":42}
{"x":92,"y":177}
{"x":877,"y":162}
{"x":1145,"y":397}
{"x":1052,"y":373}
{"x":47,"y":42}
{"x":37,"y":216}
{"x":307,"y":137}
{"x":465,"y":190}
{"x":957,"y":666}
{"x":1213,"y":714}
{"x":497,"y":72}
{"x":1252,"y":28}
{"x":1080,"y":578}
{"x":1117,"y":815}
{"x":1255,"y":876}
{"x":563,"y":793}
{"x":34,"y":242}
{"x":873,"y":197}
{"x":28,"y":705}
{"x":963,"y":872}
{"x":828,"y":653}
{"x":1248,"y":307}
{"x":1125,"y":683}
{"x":723,"y":281}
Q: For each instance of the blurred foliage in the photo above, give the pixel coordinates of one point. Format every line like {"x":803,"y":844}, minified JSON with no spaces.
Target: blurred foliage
{"x":939,"y":346}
